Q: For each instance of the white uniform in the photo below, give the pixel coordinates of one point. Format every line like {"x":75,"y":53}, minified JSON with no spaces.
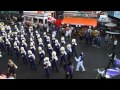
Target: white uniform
{"x":79,"y":63}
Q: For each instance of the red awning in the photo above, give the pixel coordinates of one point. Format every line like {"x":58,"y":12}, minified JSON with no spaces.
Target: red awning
{"x":80,"y":21}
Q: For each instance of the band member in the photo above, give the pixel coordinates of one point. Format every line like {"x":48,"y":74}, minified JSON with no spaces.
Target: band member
{"x":47,"y":66}
{"x":57,"y":47}
{"x":8,"y":46}
{"x":53,"y":42}
{"x":31,"y":58}
{"x":38,"y":36}
{"x":12,"y":68}
{"x":16,"y":28}
{"x":32,"y":48}
{"x":2,"y":43}
{"x":22,"y":30}
{"x":23,"y":55}
{"x":22,"y":38}
{"x":112,"y":59}
{"x":31,"y":39}
{"x":0,"y":55}
{"x":69,"y":70}
{"x":63,"y":56}
{"x":40,"y":43}
{"x":69,"y":52}
{"x":80,"y":62}
{"x":24,"y":44}
{"x":36,"y":33}
{"x":54,"y":60}
{"x":45,"y":38}
{"x":16,"y":49}
{"x":30,"y":29}
{"x":3,"y":31}
{"x":62,"y":41}
{"x":50,"y":49}
{"x":17,"y":41}
{"x":15,"y":34}
{"x":8,"y":37}
{"x":12,"y":38}
{"x":31,"y":35}
{"x":74,"y":44}
{"x":8,"y":29}
{"x":41,"y":54}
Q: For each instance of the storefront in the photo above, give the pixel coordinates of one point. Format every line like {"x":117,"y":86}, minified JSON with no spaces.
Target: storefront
{"x":80,"y":21}
{"x":33,"y":17}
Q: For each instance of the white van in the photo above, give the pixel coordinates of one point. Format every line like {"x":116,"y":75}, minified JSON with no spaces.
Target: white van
{"x":104,"y":18}
{"x":33,"y":19}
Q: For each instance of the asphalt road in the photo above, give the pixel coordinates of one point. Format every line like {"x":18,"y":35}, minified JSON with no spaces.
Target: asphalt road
{"x":94,"y":58}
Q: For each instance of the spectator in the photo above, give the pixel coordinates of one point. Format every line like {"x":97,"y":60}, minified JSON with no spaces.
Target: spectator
{"x":12,"y":68}
{"x":98,"y":41}
{"x":69,"y":70}
{"x":114,"y":44}
{"x":106,"y":40}
{"x":109,"y":42}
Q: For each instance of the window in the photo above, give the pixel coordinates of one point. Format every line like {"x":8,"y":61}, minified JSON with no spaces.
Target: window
{"x":40,"y":20}
{"x":34,"y":20}
{"x":26,"y":18}
{"x":45,"y":21}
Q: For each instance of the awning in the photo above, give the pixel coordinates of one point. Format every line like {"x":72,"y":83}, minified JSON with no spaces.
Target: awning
{"x":80,"y":21}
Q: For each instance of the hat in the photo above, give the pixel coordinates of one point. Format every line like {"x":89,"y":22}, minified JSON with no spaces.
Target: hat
{"x":22,"y":36}
{"x":31,"y":39}
{"x":23,"y":41}
{"x":8,"y":27}
{"x":31,"y":44}
{"x":38,"y":35}
{"x":73,"y":40}
{"x":22,"y":48}
{"x":46,"y":59}
{"x":62,"y":49}
{"x":53,"y":53}
{"x":16,"y":26}
{"x":49,"y":45}
{"x":8,"y":35}
{"x":40,"y":40}
{"x":44,"y":33}
{"x":3,"y":28}
{"x":2,"y":23}
{"x":29,"y":52}
{"x":56,"y":41}
{"x":16,"y":38}
{"x":62,"y":38}
{"x":30,"y":27}
{"x":81,"y":53}
{"x":48,"y":37}
{"x":7,"y":40}
{"x":39,"y":48}
{"x":15,"y":33}
{"x":69,"y":46}
{"x":36,"y":32}
{"x":15,"y":43}
{"x":0,"y":54}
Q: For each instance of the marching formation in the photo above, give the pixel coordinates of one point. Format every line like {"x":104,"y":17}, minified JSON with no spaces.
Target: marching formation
{"x":50,"y":50}
{"x":33,"y":45}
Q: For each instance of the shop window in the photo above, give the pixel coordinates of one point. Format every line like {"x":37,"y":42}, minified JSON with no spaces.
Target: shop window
{"x":40,"y":20}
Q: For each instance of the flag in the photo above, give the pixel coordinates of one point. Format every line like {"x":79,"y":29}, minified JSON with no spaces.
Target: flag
{"x":117,"y":61}
{"x":113,"y":72}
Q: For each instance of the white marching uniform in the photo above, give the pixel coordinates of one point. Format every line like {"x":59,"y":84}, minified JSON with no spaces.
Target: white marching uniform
{"x":79,"y":63}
